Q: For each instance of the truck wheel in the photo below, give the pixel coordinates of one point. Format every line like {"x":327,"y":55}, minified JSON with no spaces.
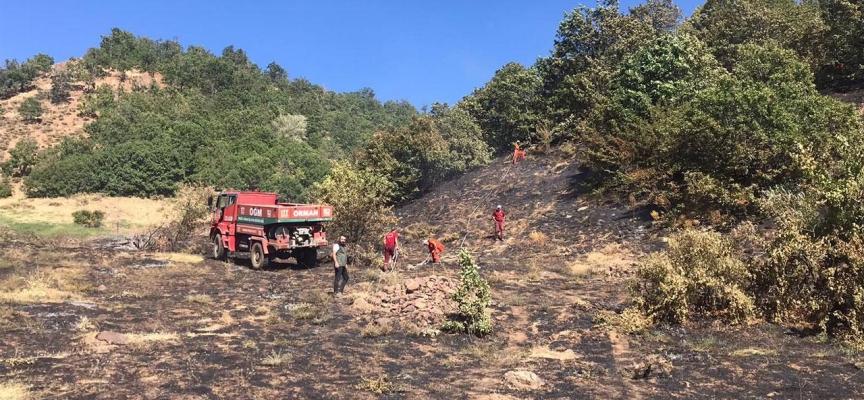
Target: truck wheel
{"x":218,"y":248}
{"x":308,"y":258}
{"x":257,"y":257}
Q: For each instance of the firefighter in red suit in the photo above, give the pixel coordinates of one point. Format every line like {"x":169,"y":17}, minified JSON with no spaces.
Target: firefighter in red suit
{"x":435,"y":249}
{"x":517,"y":153}
{"x":391,"y":242}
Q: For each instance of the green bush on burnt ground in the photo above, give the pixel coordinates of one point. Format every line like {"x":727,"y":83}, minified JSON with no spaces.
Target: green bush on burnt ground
{"x":360,"y":200}
{"x":699,"y":275}
{"x":808,"y":270}
{"x":814,"y":269}
{"x":90,"y":219}
{"x":473,"y":297}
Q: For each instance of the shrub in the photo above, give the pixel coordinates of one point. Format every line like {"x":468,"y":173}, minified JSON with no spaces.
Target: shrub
{"x":5,"y":189}
{"x":812,"y":268}
{"x":433,"y":148}
{"x":30,"y":110}
{"x":473,"y":297}
{"x":90,"y":219}
{"x":699,"y":274}
{"x":186,"y":222}
{"x":22,"y":157}
{"x":680,"y":130}
{"x":360,"y":201}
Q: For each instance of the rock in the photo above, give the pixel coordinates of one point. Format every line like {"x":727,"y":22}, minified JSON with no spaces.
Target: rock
{"x":420,"y":304}
{"x":583,"y":208}
{"x":409,"y":309}
{"x":102,"y":288}
{"x":412,"y":286}
{"x":523,"y":380}
{"x":383,"y":321}
{"x":362,"y":305}
{"x":112,"y":337}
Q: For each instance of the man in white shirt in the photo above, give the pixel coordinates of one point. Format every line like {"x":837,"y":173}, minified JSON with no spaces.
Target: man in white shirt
{"x":340,"y":265}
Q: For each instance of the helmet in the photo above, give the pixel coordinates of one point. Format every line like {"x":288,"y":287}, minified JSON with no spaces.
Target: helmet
{"x":499,"y":206}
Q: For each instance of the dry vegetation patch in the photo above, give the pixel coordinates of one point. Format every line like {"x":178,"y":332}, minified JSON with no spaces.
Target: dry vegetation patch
{"x":15,"y":390}
{"x":276,"y":358}
{"x":43,"y":286}
{"x":753,"y":351}
{"x":493,"y":354}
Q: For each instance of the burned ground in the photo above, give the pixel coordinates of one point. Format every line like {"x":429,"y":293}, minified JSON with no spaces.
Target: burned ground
{"x":196,"y":328}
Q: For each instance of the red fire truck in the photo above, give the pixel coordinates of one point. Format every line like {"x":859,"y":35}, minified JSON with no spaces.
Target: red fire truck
{"x":256,"y":225}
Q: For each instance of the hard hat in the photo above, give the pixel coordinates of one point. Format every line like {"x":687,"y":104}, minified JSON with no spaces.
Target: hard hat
{"x":499,"y":206}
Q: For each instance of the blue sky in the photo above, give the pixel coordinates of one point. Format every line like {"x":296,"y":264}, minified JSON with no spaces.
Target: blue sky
{"x":420,"y":51}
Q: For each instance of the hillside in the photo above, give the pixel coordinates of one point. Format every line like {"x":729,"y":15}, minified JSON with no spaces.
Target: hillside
{"x":58,"y":120}
{"x":190,"y":327}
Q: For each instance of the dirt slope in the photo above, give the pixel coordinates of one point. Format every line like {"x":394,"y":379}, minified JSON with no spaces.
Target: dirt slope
{"x":196,"y":329}
{"x":58,"y":120}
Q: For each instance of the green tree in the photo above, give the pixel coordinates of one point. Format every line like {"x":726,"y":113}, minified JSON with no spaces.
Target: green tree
{"x":60,"y":87}
{"x":723,"y":24}
{"x":30,"y":109}
{"x":844,"y":42}
{"x":41,"y":63}
{"x":505,"y":107}
{"x":360,"y":201}
{"x":589,"y":46}
{"x":22,"y":157}
{"x":276,"y":73}
{"x":671,"y":69}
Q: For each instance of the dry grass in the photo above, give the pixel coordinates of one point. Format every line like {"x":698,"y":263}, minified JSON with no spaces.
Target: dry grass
{"x":492,"y":354}
{"x":373,"y":330}
{"x":151,"y":337}
{"x":538,"y":239}
{"x":704,"y":345}
{"x":125,"y":214}
{"x":582,"y":304}
{"x":534,"y":271}
{"x":304,"y":312}
{"x":315,"y":297}
{"x":379,"y":386}
{"x":13,"y":362}
{"x":182,"y":258}
{"x":84,"y":324}
{"x":55,"y":286}
{"x":199,"y":298}
{"x":581,"y":270}
{"x":15,"y":391}
{"x":420,"y":231}
{"x":276,"y":359}
{"x":451,"y":237}
{"x":753,"y":351}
